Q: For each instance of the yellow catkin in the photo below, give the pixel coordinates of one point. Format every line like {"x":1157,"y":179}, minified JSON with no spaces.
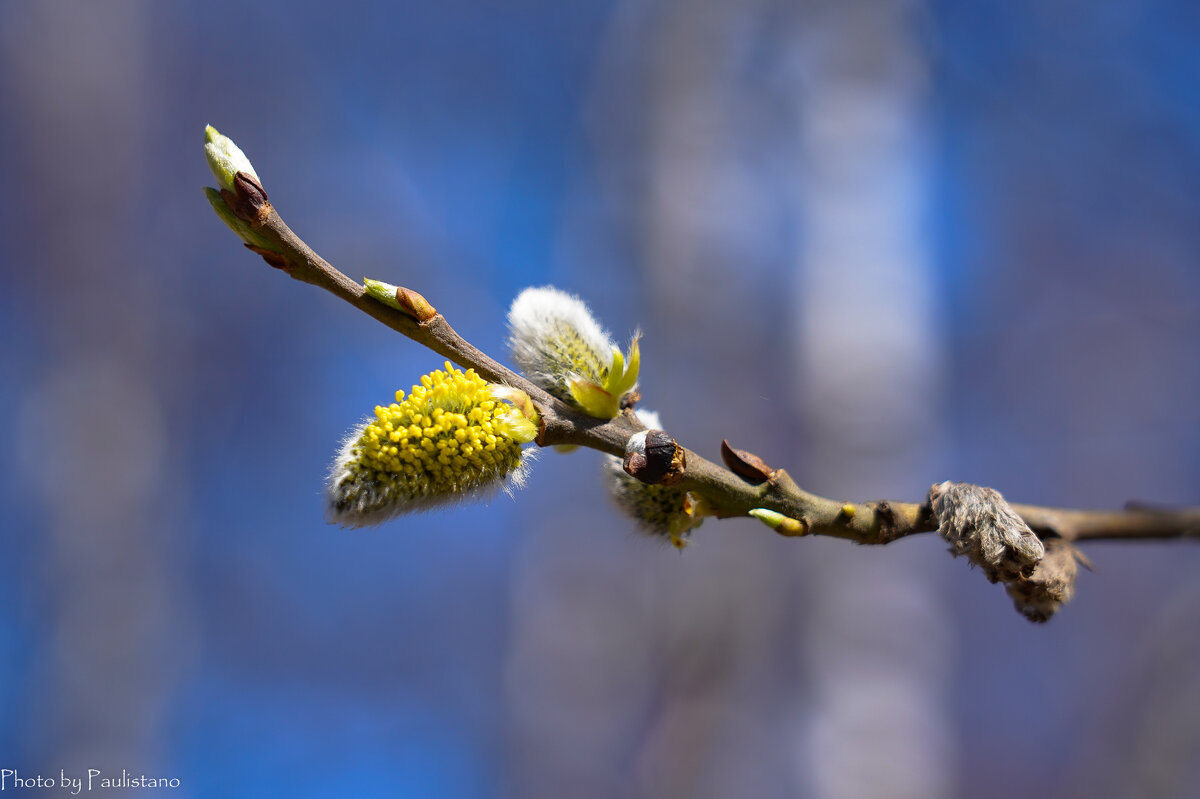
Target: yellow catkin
{"x":447,"y":438}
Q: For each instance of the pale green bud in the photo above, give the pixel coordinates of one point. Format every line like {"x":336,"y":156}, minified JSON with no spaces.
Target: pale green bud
{"x":238,"y":226}
{"x":225,"y":158}
{"x":784,"y":525}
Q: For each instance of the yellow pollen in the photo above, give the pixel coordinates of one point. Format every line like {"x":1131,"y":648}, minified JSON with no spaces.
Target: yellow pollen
{"x":437,"y":441}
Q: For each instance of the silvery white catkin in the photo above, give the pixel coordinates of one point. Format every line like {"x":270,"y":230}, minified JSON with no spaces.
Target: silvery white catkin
{"x":553,"y":337}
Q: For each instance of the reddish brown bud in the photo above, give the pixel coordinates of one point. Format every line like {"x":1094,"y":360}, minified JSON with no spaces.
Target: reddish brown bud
{"x":745,"y":465}
{"x":414,"y":304}
{"x":248,"y":201}
{"x":272,"y":258}
{"x":655,"y":458}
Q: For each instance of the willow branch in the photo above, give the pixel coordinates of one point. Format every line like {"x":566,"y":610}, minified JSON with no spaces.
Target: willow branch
{"x":743,"y":485}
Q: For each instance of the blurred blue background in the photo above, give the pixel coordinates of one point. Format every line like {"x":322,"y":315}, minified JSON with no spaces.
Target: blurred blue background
{"x":883,"y":244}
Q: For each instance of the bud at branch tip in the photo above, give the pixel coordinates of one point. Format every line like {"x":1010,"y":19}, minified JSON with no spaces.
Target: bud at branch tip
{"x":226,"y":159}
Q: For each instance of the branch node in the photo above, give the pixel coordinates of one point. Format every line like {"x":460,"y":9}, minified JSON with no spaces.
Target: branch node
{"x":887,"y":528}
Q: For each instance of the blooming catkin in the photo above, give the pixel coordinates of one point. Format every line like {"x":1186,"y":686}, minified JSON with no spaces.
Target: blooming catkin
{"x":451,"y":438}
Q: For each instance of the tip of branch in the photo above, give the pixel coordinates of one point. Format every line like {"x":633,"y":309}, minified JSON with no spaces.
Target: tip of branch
{"x":225,"y":158}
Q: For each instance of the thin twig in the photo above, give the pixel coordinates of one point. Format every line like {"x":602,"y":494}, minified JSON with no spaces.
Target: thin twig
{"x":729,"y":495}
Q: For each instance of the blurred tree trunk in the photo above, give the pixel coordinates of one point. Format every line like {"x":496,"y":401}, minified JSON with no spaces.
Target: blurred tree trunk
{"x":736,"y":142}
{"x":92,"y":429}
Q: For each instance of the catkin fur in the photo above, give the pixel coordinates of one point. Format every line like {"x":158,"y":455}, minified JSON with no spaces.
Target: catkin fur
{"x":1052,"y":584}
{"x":554,"y":338}
{"x":980,"y":526}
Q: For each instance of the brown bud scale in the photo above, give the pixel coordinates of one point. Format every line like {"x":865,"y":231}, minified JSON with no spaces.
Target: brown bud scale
{"x":248,"y":201}
{"x":745,"y":465}
{"x":275,"y":259}
{"x":662,"y":463}
{"x":414,"y":304}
